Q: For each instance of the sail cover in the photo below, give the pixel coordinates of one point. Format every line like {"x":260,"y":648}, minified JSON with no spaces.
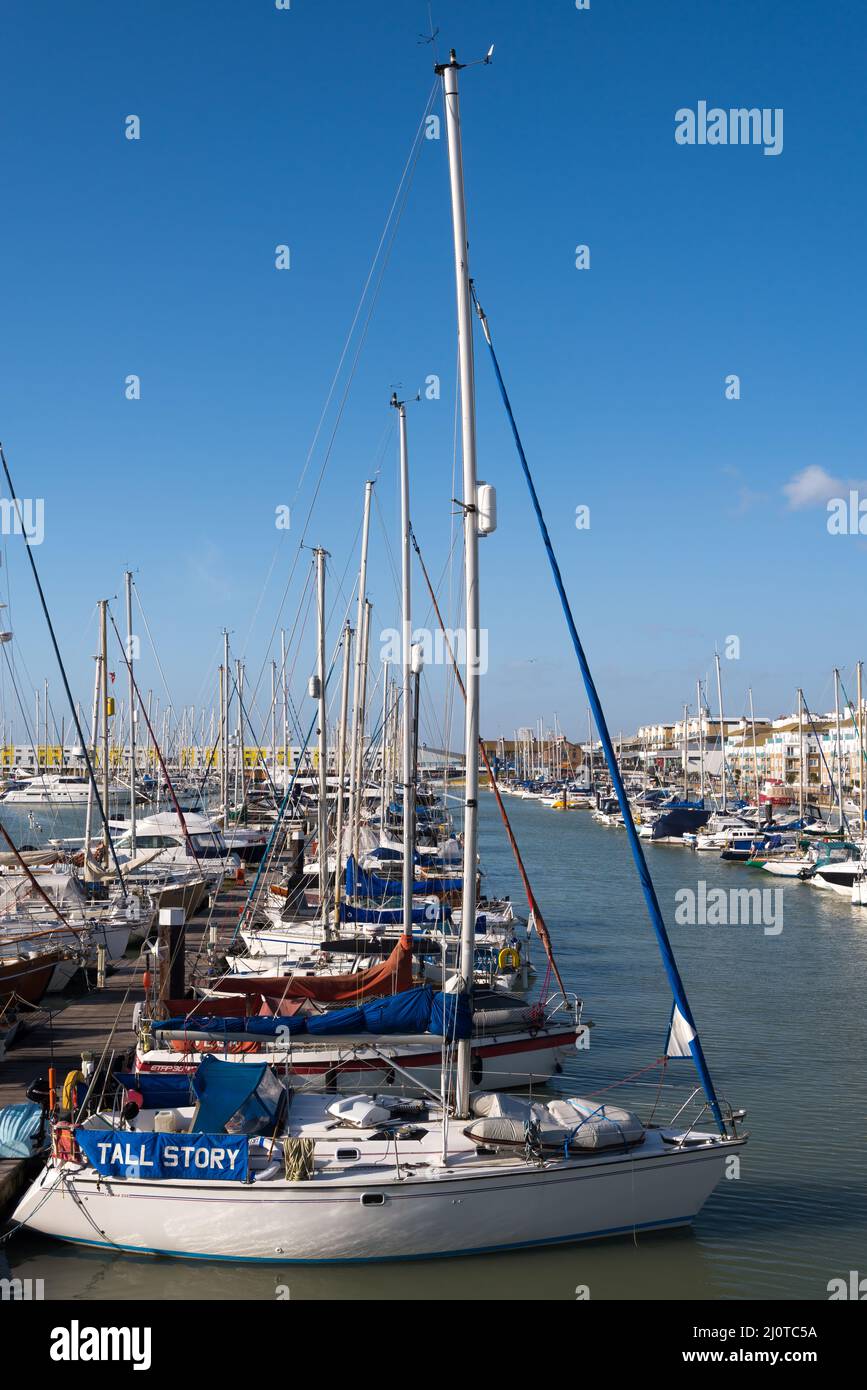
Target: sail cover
{"x":413,"y":1011}
{"x":390,"y":976}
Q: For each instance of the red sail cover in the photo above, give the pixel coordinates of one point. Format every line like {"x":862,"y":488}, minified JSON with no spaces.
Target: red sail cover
{"x":391,"y":976}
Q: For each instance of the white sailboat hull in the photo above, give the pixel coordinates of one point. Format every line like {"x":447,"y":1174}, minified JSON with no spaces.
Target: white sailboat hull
{"x":504,"y":1061}
{"x":510,"y":1205}
{"x":786,"y":868}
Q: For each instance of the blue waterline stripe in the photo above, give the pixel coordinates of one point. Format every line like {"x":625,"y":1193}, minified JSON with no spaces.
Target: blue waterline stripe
{"x":388,"y":1259}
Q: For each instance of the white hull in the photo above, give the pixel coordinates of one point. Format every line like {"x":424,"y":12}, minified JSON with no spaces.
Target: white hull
{"x":504,"y":1205}
{"x":786,"y":868}
{"x":841,"y":883}
{"x":506,"y":1061}
{"x":114,"y":937}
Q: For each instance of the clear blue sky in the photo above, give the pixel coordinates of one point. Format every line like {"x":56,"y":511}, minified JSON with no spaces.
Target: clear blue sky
{"x":260,"y":127}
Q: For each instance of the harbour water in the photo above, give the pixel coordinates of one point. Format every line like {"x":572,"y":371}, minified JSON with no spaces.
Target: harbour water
{"x":783,"y":1025}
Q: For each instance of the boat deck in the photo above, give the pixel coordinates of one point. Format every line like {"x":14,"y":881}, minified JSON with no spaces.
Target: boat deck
{"x":68,"y":1027}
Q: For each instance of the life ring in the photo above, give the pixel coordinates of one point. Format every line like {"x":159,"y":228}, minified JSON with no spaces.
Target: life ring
{"x":509,"y":959}
{"x":67,"y":1095}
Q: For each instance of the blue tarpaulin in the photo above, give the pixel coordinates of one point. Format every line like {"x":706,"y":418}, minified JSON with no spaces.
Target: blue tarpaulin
{"x":408,"y":1012}
{"x":199,"y":1157}
{"x":416,"y":1010}
{"x":221,"y":1089}
{"x":452,"y":1016}
{"x":19,"y":1129}
{"x":338,"y":1021}
{"x":363,"y":885}
{"x":266,"y":1026}
{"x":428,"y":915}
{"x":158,"y":1092}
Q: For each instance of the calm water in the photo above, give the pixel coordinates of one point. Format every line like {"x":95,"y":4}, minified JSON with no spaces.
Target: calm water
{"x":783,"y":1024}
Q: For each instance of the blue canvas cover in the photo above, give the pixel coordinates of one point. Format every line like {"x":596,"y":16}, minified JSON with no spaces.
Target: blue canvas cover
{"x":221,"y":1089}
{"x":409,"y":1012}
{"x":19,"y":1129}
{"x":393,"y":916}
{"x":364,"y":885}
{"x":198,"y":1157}
{"x":338,"y":1021}
{"x":265,"y":1027}
{"x":158,"y":1092}
{"x":452,"y":1016}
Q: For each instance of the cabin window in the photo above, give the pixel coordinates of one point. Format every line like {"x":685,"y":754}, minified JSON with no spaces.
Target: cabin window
{"x":373,"y":1199}
{"x":348,"y":1155}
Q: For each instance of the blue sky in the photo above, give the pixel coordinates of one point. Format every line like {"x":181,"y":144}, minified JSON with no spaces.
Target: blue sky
{"x":261,"y":127}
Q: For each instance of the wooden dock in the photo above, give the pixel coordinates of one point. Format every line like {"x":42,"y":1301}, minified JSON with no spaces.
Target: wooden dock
{"x":84,"y":1025}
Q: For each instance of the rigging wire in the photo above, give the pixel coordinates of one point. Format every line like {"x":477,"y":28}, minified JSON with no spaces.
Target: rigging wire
{"x":103,"y":811}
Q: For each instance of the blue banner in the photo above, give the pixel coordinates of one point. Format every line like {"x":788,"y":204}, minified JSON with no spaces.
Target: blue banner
{"x":199,"y":1157}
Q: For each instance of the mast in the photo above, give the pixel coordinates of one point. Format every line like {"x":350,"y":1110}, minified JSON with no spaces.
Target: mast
{"x":407,"y":674}
{"x":240,"y":793}
{"x":103,"y":642}
{"x":322,"y":808}
{"x":685,"y":754}
{"x":224,"y":729}
{"x":94,"y":735}
{"x":274,"y":722}
{"x":132,"y":711}
{"x":285,"y":693}
{"x":449,"y":72}
{"x":700,"y":737}
{"x":860,"y":753}
{"x":838,"y":753}
{"x":341,"y":772}
{"x":722,"y":732}
{"x":362,"y":716}
{"x":383,"y":755}
{"x":755,"y":753}
{"x":357,"y":726}
{"x":800,"y":754}
{"x":221,"y":693}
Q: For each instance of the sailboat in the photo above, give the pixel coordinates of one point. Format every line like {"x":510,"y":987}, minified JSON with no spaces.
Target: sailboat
{"x":230,"y":1165}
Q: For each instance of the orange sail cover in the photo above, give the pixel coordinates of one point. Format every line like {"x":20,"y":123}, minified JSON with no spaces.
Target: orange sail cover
{"x":391,"y":976}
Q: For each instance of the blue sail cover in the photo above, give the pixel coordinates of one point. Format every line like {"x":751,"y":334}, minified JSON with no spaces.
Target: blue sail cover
{"x":363,"y":885}
{"x":393,"y":916}
{"x":412,"y":1011}
{"x":197,"y":1157}
{"x":205,"y":1023}
{"x":452,"y":1016}
{"x":408,"y":1012}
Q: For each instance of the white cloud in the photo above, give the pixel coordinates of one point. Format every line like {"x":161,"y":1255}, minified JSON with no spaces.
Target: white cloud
{"x":812,"y":487}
